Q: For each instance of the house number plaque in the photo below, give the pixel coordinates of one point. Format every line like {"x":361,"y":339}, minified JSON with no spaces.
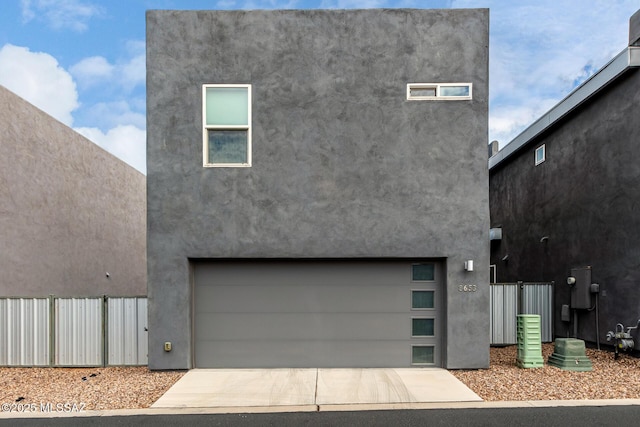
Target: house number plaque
{"x":467,"y":288}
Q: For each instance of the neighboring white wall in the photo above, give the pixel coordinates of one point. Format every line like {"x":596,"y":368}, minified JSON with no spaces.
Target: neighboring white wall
{"x":70,"y":212}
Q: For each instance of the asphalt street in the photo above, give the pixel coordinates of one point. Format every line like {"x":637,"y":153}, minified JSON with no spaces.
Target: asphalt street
{"x":578,"y":416}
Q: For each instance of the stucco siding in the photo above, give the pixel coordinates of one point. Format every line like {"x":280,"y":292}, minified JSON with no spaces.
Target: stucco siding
{"x":343,"y":165}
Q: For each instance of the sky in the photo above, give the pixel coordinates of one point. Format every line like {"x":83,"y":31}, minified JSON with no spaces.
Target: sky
{"x":83,"y":61}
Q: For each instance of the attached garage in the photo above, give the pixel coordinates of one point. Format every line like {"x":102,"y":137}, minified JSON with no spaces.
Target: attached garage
{"x":317,"y":313}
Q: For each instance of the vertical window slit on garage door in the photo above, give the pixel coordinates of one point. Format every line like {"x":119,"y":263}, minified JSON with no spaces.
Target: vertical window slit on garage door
{"x":423,"y":301}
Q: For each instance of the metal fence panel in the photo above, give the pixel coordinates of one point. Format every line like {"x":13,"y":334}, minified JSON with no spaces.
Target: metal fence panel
{"x":537,"y":298}
{"x":504,"y":309}
{"x":70,"y":331}
{"x":24,"y":332}
{"x":4,"y":332}
{"x":143,"y":335}
{"x":510,"y":299}
{"x":127,"y":336}
{"x":78,"y":332}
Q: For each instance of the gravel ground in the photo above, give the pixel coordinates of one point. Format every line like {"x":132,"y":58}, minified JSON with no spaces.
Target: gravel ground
{"x":93,"y":388}
{"x":137,"y":387}
{"x":609,"y":379}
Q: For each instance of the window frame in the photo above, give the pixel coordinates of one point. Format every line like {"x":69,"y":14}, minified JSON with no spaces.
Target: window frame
{"x":206,"y":127}
{"x":543,"y":149}
{"x":438,"y":89}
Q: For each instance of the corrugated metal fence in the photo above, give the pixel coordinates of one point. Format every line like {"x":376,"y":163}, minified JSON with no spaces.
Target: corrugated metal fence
{"x":55,"y":331}
{"x":101,"y":331}
{"x":510,"y":299}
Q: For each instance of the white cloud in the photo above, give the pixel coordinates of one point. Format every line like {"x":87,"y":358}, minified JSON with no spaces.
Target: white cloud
{"x":38,"y":78}
{"x":60,"y":14}
{"x":133,"y":72}
{"x":114,"y":113}
{"x":92,"y":70}
{"x":126,"y":142}
{"x":111,"y":106}
{"x":505,"y":122}
{"x":127,"y":73}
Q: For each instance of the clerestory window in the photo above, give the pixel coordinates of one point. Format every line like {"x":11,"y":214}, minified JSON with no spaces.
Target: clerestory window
{"x":439,"y":91}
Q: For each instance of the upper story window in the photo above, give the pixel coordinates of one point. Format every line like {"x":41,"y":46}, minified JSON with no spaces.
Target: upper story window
{"x":226,"y":117}
{"x":439,"y":91}
{"x":541,"y":154}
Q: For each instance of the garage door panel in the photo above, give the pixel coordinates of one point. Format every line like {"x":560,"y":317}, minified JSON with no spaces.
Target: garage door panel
{"x":301,"y":326}
{"x":313,"y":273}
{"x":281,"y":313}
{"x":302,"y":297}
{"x":303,"y":354}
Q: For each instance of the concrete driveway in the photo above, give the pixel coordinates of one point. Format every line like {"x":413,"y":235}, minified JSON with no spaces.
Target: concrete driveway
{"x":309,"y":389}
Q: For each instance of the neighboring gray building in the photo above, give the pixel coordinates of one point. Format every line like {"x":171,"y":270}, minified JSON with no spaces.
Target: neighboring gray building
{"x":69,"y":211}
{"x":565,"y":194}
{"x":317,"y":184}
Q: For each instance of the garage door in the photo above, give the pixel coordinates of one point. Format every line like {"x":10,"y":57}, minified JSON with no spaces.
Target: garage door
{"x":266,"y":314}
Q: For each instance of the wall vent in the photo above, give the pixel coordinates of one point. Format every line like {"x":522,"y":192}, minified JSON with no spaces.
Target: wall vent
{"x":495,"y":233}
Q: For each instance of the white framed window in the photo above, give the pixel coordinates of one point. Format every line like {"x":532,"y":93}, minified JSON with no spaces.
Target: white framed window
{"x":439,"y":91}
{"x":541,"y":154}
{"x":226,"y":121}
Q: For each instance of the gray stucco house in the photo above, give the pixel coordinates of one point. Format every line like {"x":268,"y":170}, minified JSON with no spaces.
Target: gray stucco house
{"x":565,"y":194}
{"x":318,"y":188}
{"x":72,"y":216}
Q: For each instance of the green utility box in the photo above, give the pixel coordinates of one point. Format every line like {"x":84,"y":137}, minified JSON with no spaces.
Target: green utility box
{"x":529,"y":341}
{"x":569,"y":354}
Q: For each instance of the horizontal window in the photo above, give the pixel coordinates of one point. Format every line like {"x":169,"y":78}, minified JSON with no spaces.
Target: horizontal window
{"x":226,"y":112}
{"x":439,"y":91}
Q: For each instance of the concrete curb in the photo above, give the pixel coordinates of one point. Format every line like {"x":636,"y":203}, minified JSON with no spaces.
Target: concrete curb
{"x":326,"y":408}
